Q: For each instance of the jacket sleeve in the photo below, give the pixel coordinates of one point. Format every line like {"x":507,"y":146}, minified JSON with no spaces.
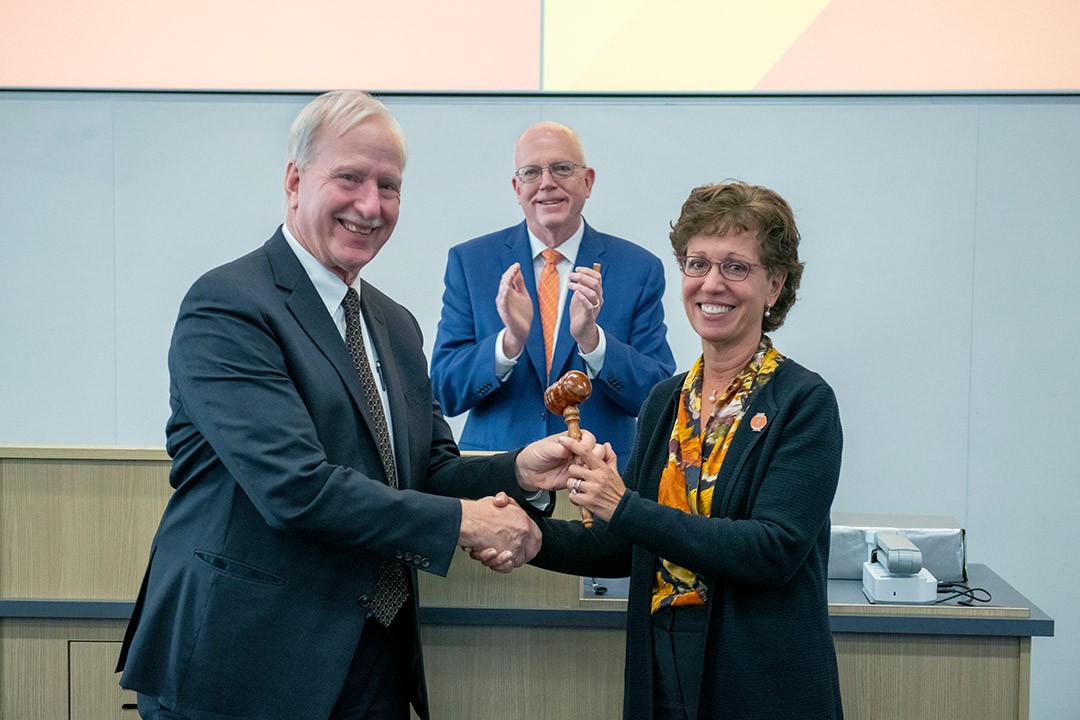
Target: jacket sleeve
{"x":462,"y":364}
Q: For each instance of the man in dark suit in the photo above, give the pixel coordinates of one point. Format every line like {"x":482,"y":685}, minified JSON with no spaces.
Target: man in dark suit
{"x":313,"y":471}
{"x":498,"y":347}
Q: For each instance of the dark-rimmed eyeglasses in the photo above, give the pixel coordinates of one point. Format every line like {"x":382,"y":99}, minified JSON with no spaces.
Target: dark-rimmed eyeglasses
{"x":696,"y":266}
{"x":532,"y":173}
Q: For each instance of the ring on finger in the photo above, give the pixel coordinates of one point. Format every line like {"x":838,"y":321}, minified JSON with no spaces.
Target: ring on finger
{"x":596,"y":305}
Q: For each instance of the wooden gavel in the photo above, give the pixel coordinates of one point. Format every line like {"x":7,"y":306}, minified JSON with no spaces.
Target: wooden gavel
{"x":563,"y":398}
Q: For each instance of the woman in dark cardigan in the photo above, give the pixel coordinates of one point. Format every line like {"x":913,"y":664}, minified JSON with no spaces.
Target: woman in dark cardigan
{"x":722,"y":518}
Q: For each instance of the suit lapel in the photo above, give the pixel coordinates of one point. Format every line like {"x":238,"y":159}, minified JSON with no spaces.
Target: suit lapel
{"x":649,"y":479}
{"x":590,"y":251}
{"x":744,"y":441}
{"x":307,"y":308}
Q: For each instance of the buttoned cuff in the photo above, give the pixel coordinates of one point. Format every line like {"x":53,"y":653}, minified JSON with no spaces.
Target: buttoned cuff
{"x":594,"y":361}
{"x":504,"y":365}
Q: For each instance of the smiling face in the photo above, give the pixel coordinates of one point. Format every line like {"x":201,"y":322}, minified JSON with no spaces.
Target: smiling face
{"x":552,"y":205}
{"x":727,"y":314}
{"x":343,"y":206}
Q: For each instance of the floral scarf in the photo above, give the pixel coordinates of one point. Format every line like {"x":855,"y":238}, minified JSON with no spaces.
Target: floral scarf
{"x":687,"y":483}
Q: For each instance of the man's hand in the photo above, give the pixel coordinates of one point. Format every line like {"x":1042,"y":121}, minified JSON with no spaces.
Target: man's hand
{"x":491,"y":558}
{"x":508,"y":537}
{"x":515,"y":310}
{"x":587,"y":287}
{"x":545,"y":463}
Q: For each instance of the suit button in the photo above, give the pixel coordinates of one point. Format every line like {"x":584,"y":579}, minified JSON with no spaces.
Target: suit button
{"x":425,"y":563}
{"x":408,"y":557}
{"x":364,"y":601}
{"x":417,"y":560}
{"x":398,"y":554}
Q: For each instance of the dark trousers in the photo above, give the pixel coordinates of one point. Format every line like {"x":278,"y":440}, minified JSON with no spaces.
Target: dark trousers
{"x":379,"y":681}
{"x":377,"y":686}
{"x":678,"y":636}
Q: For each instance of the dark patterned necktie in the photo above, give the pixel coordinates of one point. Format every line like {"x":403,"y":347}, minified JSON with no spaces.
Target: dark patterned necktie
{"x":391,"y":587}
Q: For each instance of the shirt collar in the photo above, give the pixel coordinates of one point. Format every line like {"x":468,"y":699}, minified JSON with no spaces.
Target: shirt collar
{"x":330,"y":287}
{"x":569,"y":248}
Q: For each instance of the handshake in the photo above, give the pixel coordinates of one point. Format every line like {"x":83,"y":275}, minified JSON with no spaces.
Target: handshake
{"x":497,"y":532}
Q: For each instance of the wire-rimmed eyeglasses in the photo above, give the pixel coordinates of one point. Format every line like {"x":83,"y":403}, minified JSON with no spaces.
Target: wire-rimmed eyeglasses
{"x":562,"y":169}
{"x":696,"y":266}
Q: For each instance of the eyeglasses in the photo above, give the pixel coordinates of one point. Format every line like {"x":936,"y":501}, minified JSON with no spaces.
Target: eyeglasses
{"x":696,"y":266}
{"x":532,"y":173}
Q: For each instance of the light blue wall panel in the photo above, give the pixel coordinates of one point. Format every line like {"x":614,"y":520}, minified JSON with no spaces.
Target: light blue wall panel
{"x":940,"y":236}
{"x":1024,"y":482}
{"x":57,"y":296}
{"x":198,"y":182}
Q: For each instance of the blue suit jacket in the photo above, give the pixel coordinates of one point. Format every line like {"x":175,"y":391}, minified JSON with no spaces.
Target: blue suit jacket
{"x":265,"y":560}
{"x":510,"y":414}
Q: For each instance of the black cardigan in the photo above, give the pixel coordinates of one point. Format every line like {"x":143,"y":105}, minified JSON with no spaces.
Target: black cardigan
{"x":764,"y":553}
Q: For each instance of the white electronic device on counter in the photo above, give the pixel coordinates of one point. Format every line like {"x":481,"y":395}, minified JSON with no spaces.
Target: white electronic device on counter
{"x":893,"y":572}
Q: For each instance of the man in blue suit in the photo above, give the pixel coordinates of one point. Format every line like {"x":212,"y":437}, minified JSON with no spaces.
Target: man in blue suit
{"x":313,"y":471}
{"x":490,"y":357}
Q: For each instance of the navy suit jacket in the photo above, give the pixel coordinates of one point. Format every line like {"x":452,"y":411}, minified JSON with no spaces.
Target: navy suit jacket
{"x":510,"y":414}
{"x":265,"y":559}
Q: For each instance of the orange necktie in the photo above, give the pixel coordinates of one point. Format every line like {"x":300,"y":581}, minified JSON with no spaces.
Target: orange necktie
{"x":548,"y":291}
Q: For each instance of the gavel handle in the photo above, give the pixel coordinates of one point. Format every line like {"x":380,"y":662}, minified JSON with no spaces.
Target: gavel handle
{"x":573,"y":431}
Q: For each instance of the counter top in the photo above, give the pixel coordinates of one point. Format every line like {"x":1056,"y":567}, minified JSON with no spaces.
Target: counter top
{"x":1008,"y":613}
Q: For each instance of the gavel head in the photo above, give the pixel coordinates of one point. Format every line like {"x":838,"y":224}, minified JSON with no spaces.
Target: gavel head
{"x":573,"y":388}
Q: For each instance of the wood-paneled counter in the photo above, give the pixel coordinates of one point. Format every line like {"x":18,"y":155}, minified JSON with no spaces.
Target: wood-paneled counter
{"x":76,"y":526}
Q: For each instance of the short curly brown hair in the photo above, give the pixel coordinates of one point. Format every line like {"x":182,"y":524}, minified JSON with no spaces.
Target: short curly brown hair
{"x":715,"y":210}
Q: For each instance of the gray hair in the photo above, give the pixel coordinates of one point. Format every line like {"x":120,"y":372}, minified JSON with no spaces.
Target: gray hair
{"x":338,"y":111}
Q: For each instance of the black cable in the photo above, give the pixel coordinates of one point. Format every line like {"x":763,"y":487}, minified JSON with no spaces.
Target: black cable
{"x":961,"y":590}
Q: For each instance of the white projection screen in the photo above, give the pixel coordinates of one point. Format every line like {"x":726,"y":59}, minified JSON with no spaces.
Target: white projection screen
{"x":549,"y":46}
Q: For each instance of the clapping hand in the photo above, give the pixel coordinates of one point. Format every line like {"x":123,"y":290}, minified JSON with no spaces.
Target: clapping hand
{"x":587,"y":288}
{"x":515,"y":309}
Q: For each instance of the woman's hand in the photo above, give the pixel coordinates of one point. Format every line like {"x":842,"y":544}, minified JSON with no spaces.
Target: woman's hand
{"x":594,"y":482}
